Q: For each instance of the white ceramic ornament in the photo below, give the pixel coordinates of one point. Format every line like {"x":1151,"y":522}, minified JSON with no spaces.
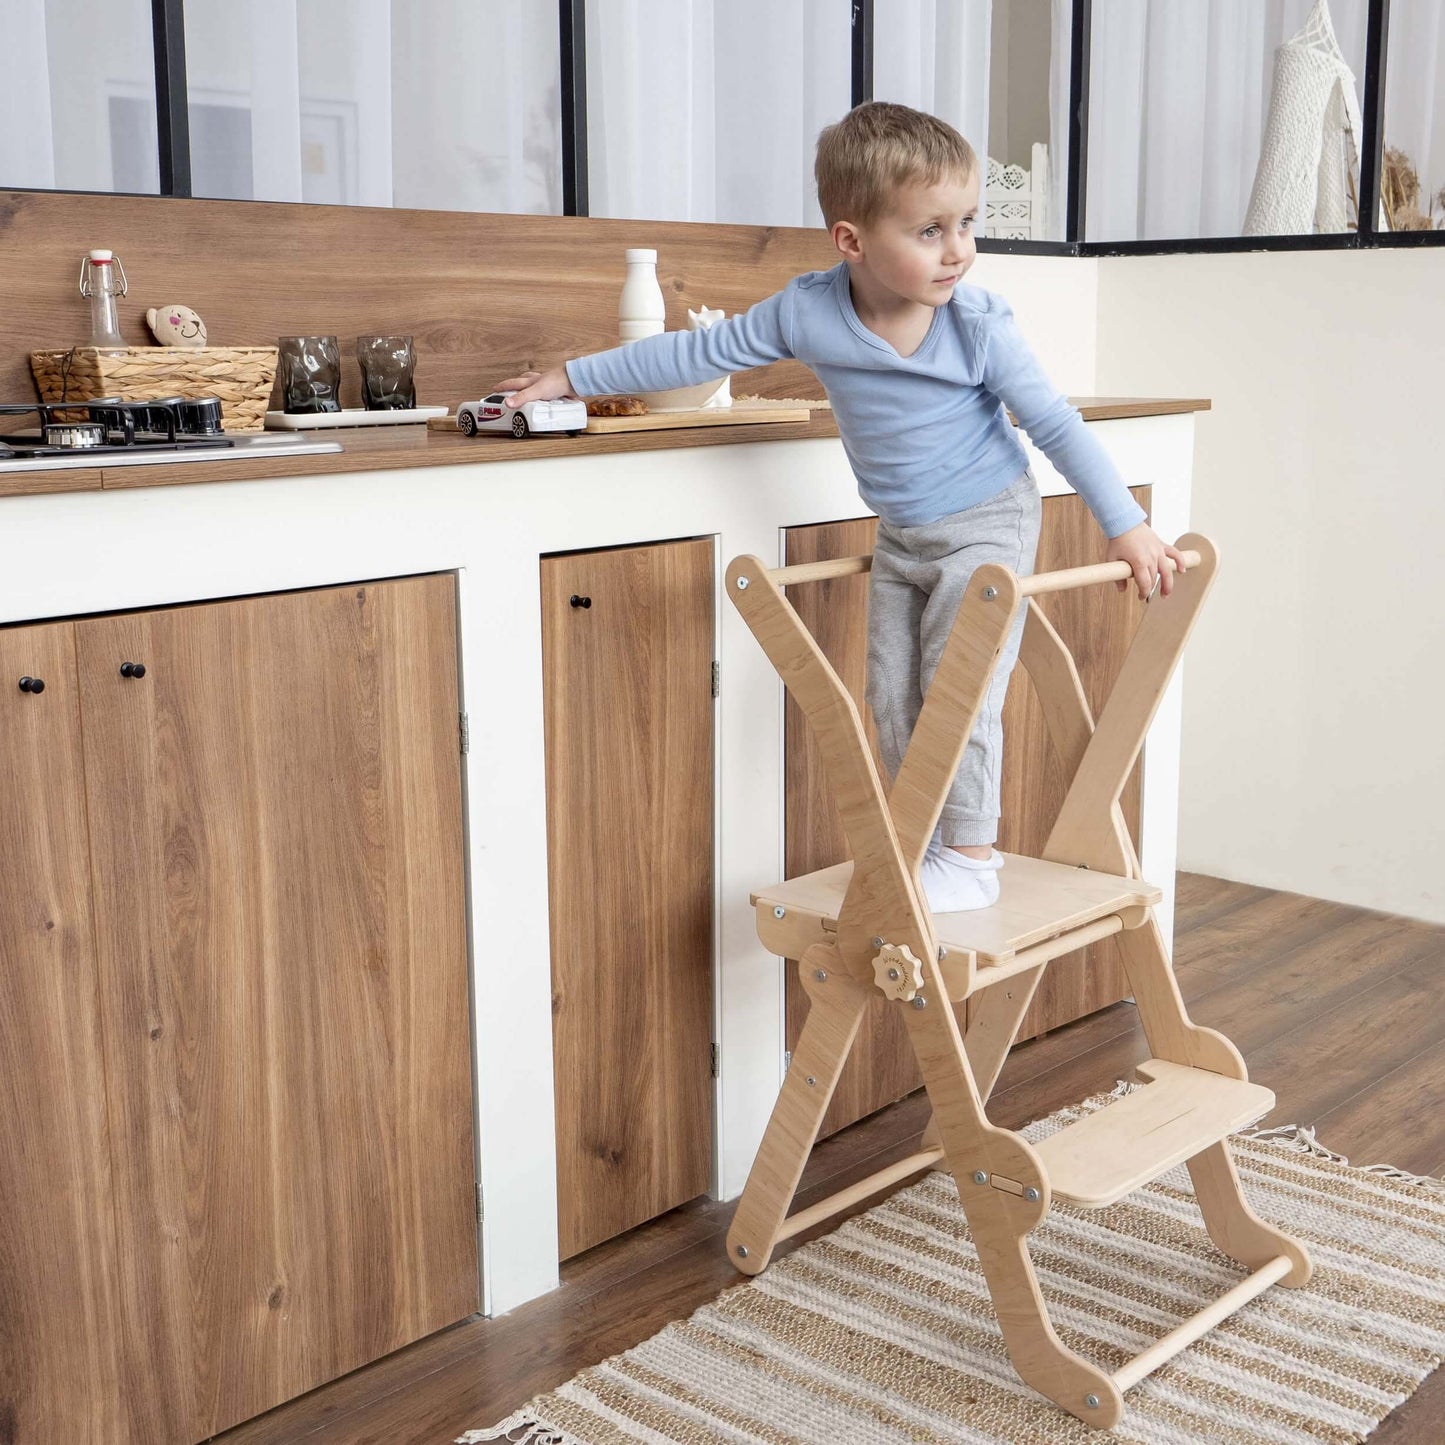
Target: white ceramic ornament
{"x":176,"y":326}
{"x":706,"y":395}
{"x":703,"y":319}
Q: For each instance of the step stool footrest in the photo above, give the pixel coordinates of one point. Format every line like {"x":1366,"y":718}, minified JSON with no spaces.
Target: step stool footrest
{"x":1177,"y":1114}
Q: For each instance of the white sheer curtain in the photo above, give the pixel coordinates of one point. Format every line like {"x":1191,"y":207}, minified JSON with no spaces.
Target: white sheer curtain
{"x":703,"y":110}
{"x":1415,"y":91}
{"x":708,"y":110}
{"x":25,"y":100}
{"x":1178,"y":95}
{"x":435,"y":104}
{"x":1060,"y":60}
{"x":933,"y":55}
{"x":77,"y":102}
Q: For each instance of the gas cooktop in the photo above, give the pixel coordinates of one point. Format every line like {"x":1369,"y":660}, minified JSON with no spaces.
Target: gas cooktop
{"x":116,"y":433}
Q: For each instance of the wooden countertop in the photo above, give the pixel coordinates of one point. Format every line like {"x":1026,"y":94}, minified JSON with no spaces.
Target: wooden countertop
{"x":386,"y":448}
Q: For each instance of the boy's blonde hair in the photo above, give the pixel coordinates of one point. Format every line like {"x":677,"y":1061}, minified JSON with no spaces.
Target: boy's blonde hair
{"x":876,"y":149}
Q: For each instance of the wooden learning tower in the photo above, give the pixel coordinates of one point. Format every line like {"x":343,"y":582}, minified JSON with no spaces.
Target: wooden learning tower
{"x":861,"y":926}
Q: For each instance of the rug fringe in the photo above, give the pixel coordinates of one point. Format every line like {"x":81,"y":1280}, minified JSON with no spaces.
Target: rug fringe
{"x":1301,"y":1139}
{"x":534,"y":1432}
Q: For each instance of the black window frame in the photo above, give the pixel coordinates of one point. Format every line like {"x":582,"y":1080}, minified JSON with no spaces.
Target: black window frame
{"x":173,"y":135}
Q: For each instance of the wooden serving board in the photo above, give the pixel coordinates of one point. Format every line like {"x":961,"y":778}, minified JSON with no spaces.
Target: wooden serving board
{"x":664,"y":420}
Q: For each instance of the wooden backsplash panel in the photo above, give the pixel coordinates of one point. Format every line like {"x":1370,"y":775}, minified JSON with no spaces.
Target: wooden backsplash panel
{"x":484,"y":295}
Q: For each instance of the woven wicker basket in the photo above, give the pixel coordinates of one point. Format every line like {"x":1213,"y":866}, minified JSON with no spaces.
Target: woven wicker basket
{"x":240,"y":376}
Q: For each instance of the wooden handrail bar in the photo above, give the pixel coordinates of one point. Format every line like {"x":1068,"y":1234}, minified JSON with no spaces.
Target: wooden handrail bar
{"x":820,"y":571}
{"x":1034,"y":586}
{"x":1072,"y":577}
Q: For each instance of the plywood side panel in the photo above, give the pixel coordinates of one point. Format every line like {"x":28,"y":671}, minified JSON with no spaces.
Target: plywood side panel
{"x":881,"y":1066}
{"x":1097,"y":624}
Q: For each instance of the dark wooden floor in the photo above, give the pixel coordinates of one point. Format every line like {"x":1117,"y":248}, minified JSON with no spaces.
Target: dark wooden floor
{"x":1338,"y":1010}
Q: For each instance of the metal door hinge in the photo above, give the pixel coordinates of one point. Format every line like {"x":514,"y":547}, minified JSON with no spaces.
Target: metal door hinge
{"x":787,"y":1060}
{"x":481,"y":1210}
{"x":716,"y":1062}
{"x":716,"y":678}
{"x":464,"y":730}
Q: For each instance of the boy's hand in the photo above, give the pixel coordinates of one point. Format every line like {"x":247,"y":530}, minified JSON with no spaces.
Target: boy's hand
{"x":553,"y":385}
{"x":1145,"y":551}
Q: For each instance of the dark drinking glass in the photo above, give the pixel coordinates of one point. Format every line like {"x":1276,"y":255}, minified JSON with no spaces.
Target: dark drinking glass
{"x":387,"y":364}
{"x":310,"y":370}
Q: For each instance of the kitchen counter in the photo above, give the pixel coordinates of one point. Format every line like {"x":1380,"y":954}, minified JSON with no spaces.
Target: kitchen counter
{"x":399,"y":505}
{"x":370,"y":449}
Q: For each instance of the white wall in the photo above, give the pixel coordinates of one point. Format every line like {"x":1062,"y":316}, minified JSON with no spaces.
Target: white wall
{"x":1056,"y":303}
{"x":1312,"y":752}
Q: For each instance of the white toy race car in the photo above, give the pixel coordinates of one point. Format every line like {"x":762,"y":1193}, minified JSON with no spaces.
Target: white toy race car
{"x":492,"y":414}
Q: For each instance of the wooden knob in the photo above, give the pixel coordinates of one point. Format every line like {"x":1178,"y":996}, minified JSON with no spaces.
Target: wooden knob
{"x":897,"y":972}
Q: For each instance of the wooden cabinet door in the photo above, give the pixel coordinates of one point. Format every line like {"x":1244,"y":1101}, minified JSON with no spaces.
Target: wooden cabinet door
{"x":59,"y":1321}
{"x":1097,"y":624}
{"x":627,"y":646}
{"x":276,"y":831}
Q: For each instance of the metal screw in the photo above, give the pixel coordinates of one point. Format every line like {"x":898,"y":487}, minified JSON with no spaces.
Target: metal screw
{"x":743,"y":587}
{"x":877,"y":943}
{"x":821,"y":975}
{"x":919,"y":1001}
{"x":1032,"y":1195}
{"x":1092,"y":1401}
{"x":779,"y":911}
{"x":893,"y":973}
{"x":811,"y":1081}
{"x":742,"y":1251}
{"x":989,"y":593}
{"x":979,"y":1177}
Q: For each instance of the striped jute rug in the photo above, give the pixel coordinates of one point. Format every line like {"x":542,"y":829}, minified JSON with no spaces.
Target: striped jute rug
{"x":882,"y":1331}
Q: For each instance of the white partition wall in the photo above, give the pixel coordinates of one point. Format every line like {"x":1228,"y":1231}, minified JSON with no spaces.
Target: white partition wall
{"x":1312,"y":759}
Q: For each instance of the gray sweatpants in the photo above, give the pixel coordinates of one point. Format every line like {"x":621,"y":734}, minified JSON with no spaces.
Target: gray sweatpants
{"x":918,"y":580}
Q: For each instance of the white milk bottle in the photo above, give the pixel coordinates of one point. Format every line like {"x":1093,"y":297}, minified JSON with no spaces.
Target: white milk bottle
{"x":641,"y":311}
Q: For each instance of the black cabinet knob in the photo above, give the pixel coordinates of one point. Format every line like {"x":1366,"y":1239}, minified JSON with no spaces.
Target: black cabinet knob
{"x":132,"y":669}
{"x":32,"y":684}
{"x":577,"y":601}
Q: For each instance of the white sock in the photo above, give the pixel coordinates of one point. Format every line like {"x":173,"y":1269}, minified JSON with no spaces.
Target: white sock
{"x":954,"y":883}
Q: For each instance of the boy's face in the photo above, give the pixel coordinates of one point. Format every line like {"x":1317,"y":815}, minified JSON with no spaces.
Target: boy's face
{"x":922,"y":247}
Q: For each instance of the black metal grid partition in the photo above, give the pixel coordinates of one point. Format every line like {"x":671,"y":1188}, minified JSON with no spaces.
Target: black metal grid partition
{"x":173,"y":130}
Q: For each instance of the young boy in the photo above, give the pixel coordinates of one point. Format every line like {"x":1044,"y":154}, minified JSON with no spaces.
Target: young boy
{"x":919,"y":370}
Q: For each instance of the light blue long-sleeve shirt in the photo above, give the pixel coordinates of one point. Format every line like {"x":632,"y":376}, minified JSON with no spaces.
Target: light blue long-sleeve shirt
{"x":926,"y":434}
